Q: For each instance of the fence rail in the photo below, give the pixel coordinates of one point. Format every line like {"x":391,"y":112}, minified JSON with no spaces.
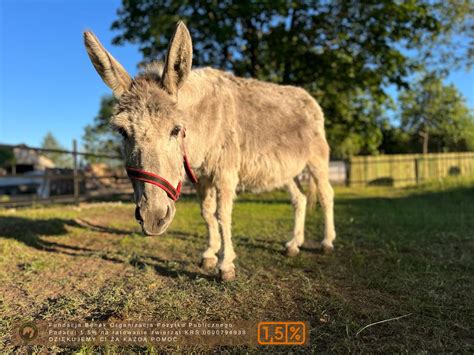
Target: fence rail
{"x":61,"y":151}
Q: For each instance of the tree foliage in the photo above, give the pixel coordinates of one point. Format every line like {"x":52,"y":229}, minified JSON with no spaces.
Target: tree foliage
{"x":98,"y":138}
{"x":438,"y":114}
{"x":7,"y":157}
{"x":395,"y":140}
{"x":61,"y":160}
{"x":345,"y":53}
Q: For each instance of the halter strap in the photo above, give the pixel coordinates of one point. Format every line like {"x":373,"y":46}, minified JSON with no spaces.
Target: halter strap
{"x":154,"y":179}
{"x":187,"y":167}
{"x":145,"y":176}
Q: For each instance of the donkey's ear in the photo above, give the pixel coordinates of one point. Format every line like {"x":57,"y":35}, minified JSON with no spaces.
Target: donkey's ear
{"x":109,"y":69}
{"x":178,"y":60}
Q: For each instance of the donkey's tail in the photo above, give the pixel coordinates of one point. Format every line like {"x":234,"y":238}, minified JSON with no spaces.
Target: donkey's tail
{"x":312,"y":193}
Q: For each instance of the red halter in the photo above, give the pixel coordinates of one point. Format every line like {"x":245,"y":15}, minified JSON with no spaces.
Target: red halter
{"x":145,"y":176}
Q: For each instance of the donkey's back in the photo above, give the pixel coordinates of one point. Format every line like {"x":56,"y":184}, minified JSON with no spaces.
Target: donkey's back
{"x":276,"y":126}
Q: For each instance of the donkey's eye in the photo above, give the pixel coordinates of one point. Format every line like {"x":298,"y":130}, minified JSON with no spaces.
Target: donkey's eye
{"x":122,"y":132}
{"x":176,"y":131}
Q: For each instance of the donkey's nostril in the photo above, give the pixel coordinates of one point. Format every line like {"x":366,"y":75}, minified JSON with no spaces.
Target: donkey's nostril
{"x":138,"y":216}
{"x":163,"y":220}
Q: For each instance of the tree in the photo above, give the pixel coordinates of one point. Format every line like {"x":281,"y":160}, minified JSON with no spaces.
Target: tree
{"x":61,"y":160}
{"x":98,"y":138}
{"x":345,"y":53}
{"x":438,"y":114}
{"x":7,"y":158}
{"x":395,"y":140}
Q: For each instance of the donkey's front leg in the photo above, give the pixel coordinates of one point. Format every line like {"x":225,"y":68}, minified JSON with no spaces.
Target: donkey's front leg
{"x":207,"y":193}
{"x":225,"y":200}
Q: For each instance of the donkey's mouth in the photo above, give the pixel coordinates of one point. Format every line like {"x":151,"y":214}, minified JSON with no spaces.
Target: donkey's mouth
{"x":154,"y":221}
{"x":151,"y":234}
{"x":150,"y":221}
{"x":155,"y":228}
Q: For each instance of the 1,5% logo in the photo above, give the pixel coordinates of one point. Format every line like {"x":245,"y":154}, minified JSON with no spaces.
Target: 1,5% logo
{"x":281,"y":333}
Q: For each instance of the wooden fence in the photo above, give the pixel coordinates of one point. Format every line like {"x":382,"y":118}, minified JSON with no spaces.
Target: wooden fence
{"x":407,"y":169}
{"x":59,"y":185}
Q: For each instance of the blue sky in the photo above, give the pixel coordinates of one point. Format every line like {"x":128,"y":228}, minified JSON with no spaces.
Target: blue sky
{"x":47,"y":82}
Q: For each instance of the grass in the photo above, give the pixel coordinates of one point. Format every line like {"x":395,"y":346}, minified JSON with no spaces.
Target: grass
{"x":398,"y":252}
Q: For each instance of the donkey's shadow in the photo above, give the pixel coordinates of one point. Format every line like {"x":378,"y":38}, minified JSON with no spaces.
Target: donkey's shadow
{"x":252,"y":243}
{"x":31,"y":232}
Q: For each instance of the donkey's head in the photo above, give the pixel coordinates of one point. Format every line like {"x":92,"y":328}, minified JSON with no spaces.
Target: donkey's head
{"x":152,"y":127}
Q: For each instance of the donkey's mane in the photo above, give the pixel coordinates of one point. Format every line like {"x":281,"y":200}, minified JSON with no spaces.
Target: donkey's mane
{"x":153,"y":71}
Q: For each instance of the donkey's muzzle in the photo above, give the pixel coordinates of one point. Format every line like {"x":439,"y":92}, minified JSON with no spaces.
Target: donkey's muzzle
{"x":155,"y":222}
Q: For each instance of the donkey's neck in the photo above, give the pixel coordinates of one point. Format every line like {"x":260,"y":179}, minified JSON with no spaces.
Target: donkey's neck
{"x":199,"y":102}
{"x":197,"y":88}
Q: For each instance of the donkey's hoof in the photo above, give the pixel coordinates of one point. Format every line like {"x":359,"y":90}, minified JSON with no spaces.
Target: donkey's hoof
{"x":208,"y":264}
{"x":291,"y":251}
{"x":228,"y":275}
{"x":327,"y":249}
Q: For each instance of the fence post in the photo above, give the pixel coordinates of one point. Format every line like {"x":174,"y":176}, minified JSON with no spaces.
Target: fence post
{"x":417,"y":170}
{"x":13,"y":163}
{"x":75,"y":175}
{"x":347,"y":163}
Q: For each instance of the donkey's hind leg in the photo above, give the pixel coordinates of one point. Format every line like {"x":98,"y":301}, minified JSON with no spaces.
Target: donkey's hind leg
{"x":207,"y":193}
{"x":319,"y":168}
{"x":298,"y":199}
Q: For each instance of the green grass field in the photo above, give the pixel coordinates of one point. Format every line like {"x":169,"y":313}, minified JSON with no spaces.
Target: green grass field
{"x":398,"y":252}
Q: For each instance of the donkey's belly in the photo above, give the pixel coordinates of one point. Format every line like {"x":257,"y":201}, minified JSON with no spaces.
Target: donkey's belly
{"x":264,"y":173}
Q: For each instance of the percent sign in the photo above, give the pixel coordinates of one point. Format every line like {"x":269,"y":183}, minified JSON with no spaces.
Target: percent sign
{"x":295,"y":333}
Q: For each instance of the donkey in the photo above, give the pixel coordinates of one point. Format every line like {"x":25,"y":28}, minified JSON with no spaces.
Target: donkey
{"x":236,"y":131}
